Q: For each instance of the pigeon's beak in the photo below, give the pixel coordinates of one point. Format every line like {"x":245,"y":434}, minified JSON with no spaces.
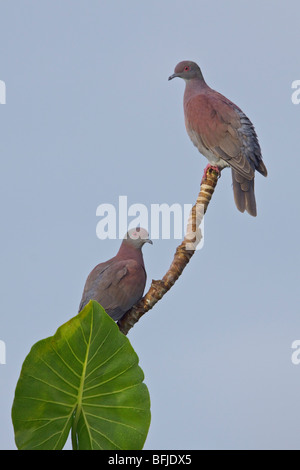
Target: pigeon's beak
{"x":149,"y":241}
{"x":172,"y":76}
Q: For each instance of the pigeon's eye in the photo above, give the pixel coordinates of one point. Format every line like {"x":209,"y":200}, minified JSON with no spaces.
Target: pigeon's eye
{"x":187,"y":68}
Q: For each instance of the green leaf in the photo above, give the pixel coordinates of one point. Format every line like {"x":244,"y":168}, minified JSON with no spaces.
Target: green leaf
{"x":85,"y":377}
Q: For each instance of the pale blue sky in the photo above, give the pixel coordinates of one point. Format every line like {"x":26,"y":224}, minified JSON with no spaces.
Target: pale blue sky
{"x":91,"y":116}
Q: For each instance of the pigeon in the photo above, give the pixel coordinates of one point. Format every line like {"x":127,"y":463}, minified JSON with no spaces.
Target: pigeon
{"x":222,"y":133}
{"x":119,"y":283}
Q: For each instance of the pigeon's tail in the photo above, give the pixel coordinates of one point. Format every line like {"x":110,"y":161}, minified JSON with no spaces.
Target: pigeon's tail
{"x":243,"y":191}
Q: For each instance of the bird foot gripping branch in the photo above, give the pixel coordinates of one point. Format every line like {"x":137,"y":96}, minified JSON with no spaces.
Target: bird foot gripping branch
{"x":182,"y":256}
{"x":208,"y":169}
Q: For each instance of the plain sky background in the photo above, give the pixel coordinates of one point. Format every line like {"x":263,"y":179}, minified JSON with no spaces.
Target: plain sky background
{"x":89,"y":116}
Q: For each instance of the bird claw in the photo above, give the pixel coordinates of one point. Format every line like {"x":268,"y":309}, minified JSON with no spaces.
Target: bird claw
{"x":208,"y":169}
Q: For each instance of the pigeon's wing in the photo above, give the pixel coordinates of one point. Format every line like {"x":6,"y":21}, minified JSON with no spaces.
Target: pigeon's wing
{"x":116,"y":285}
{"x":225,"y":131}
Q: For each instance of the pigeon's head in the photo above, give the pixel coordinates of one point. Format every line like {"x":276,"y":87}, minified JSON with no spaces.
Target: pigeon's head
{"x":138,"y":237}
{"x":187,"y":70}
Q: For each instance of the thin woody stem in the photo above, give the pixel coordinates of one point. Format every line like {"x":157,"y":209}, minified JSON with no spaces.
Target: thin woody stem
{"x":182,"y":256}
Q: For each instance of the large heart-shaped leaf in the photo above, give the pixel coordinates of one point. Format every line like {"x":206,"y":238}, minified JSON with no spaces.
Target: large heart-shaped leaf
{"x":85,"y":377}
